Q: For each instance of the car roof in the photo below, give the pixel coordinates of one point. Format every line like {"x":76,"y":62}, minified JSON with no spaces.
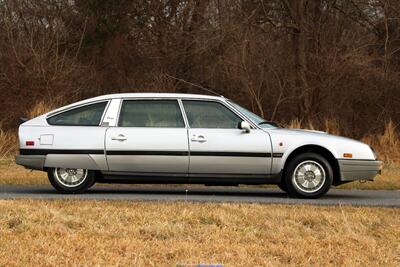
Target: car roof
{"x":135,"y":95}
{"x":155,"y":95}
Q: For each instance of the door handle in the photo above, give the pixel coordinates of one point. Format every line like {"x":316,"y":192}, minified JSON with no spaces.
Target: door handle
{"x":199,"y":138}
{"x":119,"y":137}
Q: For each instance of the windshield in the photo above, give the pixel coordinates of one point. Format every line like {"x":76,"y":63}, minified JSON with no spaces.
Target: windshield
{"x":255,"y":118}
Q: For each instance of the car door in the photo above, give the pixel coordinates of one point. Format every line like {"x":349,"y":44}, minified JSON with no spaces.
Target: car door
{"x":218,"y":146}
{"x":150,"y":138}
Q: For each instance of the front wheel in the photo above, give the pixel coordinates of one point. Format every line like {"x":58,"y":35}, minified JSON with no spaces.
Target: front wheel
{"x":69,"y":180}
{"x":308,"y":175}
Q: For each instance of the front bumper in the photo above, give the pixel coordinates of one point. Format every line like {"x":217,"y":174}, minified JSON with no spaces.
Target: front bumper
{"x":351,"y":170}
{"x":34,"y":162}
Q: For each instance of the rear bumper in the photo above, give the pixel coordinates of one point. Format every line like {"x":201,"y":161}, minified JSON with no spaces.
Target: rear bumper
{"x":34,"y":162}
{"x":351,"y":170}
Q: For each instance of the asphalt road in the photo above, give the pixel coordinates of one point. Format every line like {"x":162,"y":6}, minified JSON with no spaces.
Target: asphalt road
{"x":207,"y":194}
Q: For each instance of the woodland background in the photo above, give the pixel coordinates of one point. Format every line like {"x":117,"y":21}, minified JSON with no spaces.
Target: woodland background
{"x":323,"y":64}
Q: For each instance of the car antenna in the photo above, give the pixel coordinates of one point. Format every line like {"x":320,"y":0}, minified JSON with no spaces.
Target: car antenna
{"x":195,"y":85}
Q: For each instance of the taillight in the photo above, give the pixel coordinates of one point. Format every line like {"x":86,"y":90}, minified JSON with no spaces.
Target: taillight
{"x":30,"y":143}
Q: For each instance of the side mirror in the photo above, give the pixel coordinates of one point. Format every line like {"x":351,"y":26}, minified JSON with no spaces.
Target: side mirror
{"x":244,"y":125}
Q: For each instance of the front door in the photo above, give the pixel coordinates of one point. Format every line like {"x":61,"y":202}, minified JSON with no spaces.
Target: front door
{"x":217,"y":146}
{"x":150,"y":138}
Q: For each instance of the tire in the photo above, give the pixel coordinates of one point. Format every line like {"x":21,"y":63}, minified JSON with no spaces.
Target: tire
{"x":282,"y":186}
{"x":79,"y":183}
{"x":308,"y":175}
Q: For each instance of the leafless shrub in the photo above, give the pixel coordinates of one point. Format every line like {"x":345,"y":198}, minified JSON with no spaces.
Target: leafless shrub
{"x":387,"y":143}
{"x":309,"y":60}
{"x":8,"y":144}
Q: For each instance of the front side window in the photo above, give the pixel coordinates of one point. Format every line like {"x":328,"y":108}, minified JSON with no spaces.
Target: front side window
{"x":151,"y":113}
{"x":203,"y":114}
{"x":89,"y":115}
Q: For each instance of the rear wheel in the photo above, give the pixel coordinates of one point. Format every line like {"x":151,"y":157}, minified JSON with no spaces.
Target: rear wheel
{"x":308,"y":175}
{"x":70,"y":180}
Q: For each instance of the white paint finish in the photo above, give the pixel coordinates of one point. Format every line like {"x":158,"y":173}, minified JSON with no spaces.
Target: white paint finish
{"x":46,"y":139}
{"x":38,"y":121}
{"x":75,"y":137}
{"x":147,"y":139}
{"x":65,"y":137}
{"x":230,"y":140}
{"x":337,"y":145}
{"x":111,"y":116}
{"x":68,"y":138}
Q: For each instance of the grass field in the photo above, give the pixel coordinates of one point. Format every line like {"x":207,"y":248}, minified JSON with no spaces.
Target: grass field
{"x":85,"y":233}
{"x":10,"y":173}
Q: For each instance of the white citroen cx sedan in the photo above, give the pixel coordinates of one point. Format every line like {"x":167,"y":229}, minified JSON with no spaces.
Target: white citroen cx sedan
{"x":185,"y":138}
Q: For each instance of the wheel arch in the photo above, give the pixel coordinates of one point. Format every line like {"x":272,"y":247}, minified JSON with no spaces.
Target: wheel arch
{"x":320,"y":150}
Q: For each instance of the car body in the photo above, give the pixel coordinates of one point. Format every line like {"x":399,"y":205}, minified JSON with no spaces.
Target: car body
{"x":185,"y":138}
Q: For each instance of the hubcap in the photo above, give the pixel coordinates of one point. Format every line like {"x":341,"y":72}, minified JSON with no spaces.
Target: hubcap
{"x":70,"y":177}
{"x":309,"y":176}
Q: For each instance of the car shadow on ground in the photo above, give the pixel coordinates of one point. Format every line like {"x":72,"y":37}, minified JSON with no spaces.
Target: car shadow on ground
{"x":101,"y":191}
{"x":211,"y":191}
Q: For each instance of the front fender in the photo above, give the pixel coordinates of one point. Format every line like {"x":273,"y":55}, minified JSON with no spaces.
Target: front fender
{"x":279,"y":163}
{"x":285,"y":141}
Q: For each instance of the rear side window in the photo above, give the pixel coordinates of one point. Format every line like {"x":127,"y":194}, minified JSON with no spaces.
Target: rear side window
{"x":89,"y":115}
{"x":203,"y":114}
{"x":151,"y":113}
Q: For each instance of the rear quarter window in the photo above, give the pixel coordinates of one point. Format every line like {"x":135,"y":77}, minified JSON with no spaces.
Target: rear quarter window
{"x":89,"y":115}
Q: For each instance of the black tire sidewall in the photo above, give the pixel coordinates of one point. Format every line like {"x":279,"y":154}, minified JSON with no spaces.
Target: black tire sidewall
{"x":87,"y":183}
{"x":282,"y":186}
{"x":293,"y":190}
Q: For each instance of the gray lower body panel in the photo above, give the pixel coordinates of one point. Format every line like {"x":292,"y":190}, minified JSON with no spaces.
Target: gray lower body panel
{"x":34,"y":162}
{"x":351,"y":170}
{"x":185,"y":178}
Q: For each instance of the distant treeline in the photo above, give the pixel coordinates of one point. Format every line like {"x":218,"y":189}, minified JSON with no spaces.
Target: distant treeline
{"x":311,"y":60}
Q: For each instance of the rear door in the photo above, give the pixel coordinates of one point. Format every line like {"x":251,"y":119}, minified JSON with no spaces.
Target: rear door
{"x":217,"y":146}
{"x":150,"y":138}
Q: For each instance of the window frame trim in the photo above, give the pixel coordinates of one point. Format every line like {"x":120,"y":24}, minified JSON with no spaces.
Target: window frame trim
{"x":185,"y":125}
{"x":80,"y":106}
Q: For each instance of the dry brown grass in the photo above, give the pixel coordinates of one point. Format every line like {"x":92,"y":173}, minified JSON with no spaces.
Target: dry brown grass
{"x":104,"y":233}
{"x":43,"y":107}
{"x":10,"y":173}
{"x":8,"y":144}
{"x":387,"y":144}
